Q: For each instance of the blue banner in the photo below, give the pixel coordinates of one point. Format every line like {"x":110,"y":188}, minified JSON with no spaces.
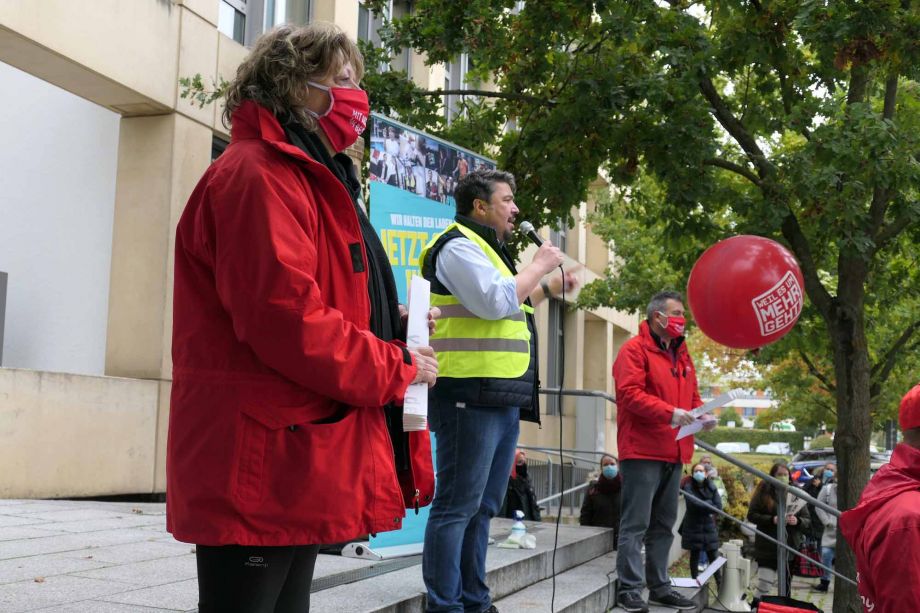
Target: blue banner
{"x":412,"y":180}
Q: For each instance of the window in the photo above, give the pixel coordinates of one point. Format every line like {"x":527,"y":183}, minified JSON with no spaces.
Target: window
{"x":217,"y":147}
{"x":455,"y":78}
{"x":558,"y":237}
{"x":245,"y":20}
{"x":231,"y":19}
{"x":368,"y":23}
{"x":750,"y":412}
{"x":554,"y":354}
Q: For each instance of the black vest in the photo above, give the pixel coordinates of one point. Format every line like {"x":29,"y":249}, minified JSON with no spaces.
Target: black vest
{"x":487,"y":391}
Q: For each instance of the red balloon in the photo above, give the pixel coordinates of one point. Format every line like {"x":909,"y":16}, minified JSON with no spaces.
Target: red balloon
{"x":746,"y":292}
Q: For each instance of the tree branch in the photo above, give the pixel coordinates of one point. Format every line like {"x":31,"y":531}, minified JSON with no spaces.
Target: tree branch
{"x":887,"y":232}
{"x":880,"y":195}
{"x":819,"y":295}
{"x":859,"y":79}
{"x":734,"y":127}
{"x":489,"y":94}
{"x":820,"y":376}
{"x":880,"y":371}
{"x":735,"y":168}
{"x":891,"y":96}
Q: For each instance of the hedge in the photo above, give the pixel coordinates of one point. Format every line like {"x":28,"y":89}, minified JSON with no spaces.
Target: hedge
{"x":753,"y":437}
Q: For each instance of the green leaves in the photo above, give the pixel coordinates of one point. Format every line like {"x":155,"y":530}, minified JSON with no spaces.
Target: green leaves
{"x":194,"y":89}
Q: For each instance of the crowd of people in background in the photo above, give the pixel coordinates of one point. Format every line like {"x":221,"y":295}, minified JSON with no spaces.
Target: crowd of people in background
{"x":808,"y":528}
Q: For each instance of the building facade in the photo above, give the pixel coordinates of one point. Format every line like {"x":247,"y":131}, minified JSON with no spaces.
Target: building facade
{"x":100,"y":155}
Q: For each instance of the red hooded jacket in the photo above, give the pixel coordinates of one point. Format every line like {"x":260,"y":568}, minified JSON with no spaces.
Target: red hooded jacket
{"x":650,"y":383}
{"x":276,"y":431}
{"x":884,"y":532}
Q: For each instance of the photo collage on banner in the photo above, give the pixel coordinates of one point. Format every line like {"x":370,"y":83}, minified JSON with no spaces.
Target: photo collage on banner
{"x":412,"y":180}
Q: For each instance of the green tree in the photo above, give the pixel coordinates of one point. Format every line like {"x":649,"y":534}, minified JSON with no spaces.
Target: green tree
{"x":729,"y":415}
{"x":797,"y":120}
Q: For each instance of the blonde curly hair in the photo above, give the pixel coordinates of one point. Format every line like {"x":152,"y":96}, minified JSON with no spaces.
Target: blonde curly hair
{"x":276,"y":71}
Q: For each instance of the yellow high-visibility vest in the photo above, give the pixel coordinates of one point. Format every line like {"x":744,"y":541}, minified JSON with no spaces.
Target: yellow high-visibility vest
{"x":469,"y":346}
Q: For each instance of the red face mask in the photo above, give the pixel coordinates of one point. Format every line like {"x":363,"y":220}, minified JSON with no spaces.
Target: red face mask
{"x":345,"y":119}
{"x":675,"y":325}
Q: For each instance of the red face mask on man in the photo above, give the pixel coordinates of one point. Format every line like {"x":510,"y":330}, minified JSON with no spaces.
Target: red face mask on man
{"x":346,"y":118}
{"x":674,"y":325}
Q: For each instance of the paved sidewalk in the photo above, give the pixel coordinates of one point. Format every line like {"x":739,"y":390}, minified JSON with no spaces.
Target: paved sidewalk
{"x":92,"y":557}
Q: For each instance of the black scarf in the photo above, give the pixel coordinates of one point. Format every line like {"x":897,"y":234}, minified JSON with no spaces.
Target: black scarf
{"x":381,"y":287}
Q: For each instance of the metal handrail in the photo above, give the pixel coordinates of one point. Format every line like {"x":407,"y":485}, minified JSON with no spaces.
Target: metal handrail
{"x":763,"y":534}
{"x":780,"y":511}
{"x":550,"y":451}
{"x":578,"y":487}
{"x":555,"y":391}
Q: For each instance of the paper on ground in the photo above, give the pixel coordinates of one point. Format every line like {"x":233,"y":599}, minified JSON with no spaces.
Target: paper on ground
{"x":415,"y":404}
{"x":702,"y":578}
{"x":715,"y":403}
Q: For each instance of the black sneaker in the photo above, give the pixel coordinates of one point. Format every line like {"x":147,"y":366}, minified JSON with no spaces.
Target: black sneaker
{"x":675,"y":600}
{"x":821,"y":587}
{"x":632,"y":602}
{"x":491,"y":609}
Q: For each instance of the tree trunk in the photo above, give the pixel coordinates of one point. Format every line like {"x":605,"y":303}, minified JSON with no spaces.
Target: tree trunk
{"x":854,"y":429}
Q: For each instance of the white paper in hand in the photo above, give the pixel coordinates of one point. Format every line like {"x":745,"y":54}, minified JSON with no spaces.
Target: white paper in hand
{"x":698,"y":412}
{"x":415,"y":404}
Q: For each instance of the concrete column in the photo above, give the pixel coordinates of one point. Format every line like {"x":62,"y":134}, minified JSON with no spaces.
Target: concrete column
{"x":160,"y":159}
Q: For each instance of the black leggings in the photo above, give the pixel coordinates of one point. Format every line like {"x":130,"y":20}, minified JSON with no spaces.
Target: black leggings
{"x":240,"y":579}
{"x":711,"y":555}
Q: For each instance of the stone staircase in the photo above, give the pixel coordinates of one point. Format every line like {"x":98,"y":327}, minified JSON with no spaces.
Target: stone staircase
{"x":520,"y":580}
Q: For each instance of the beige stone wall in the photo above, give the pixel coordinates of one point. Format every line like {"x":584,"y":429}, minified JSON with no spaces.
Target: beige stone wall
{"x":69,"y":435}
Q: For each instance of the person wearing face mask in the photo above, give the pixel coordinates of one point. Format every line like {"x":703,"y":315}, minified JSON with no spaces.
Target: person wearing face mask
{"x":762,"y":512}
{"x":884,"y":527}
{"x":520,"y":495}
{"x":288,"y":358}
{"x":601,"y":505}
{"x":699,"y":530}
{"x":656,"y":389}
{"x":827,"y":495}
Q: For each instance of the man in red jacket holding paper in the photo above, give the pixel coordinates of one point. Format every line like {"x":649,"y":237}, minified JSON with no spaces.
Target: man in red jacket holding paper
{"x":656,"y":389}
{"x":884,"y":528}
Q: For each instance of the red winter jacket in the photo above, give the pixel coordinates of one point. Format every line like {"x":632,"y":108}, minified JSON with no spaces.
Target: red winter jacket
{"x":276,"y":431}
{"x":884,"y":532}
{"x":650,"y":383}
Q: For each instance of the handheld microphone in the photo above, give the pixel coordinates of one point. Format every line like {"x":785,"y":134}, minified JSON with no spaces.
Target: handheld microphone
{"x":528,"y":229}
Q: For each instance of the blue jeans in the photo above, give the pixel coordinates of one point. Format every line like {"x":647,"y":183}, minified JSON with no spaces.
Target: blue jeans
{"x":475,"y":451}
{"x":827,"y":558}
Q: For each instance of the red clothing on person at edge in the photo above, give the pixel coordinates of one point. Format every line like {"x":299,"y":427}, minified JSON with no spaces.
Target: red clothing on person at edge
{"x":650,"y":383}
{"x":277,"y":435}
{"x":884,"y":532}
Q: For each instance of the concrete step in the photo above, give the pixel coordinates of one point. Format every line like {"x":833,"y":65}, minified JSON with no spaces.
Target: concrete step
{"x":507,"y":571}
{"x":587,"y":588}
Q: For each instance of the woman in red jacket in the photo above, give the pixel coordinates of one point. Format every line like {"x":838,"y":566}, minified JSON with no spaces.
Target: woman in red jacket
{"x":286,"y":358}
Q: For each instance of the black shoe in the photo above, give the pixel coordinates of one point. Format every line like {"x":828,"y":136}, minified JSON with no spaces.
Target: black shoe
{"x":491,"y":609}
{"x":632,"y":602}
{"x":821,"y":587}
{"x":675,"y":600}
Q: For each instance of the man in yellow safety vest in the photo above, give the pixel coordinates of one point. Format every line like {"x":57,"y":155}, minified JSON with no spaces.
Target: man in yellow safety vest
{"x":486,"y":347}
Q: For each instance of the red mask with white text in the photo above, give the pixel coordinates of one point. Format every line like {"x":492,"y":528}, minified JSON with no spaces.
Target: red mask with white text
{"x":675,"y":326}
{"x":346,"y":118}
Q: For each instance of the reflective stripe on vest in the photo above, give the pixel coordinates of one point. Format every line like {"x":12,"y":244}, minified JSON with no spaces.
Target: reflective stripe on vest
{"x":469,"y":346}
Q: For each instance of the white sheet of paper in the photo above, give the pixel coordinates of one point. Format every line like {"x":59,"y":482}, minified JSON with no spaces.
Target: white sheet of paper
{"x":415,"y":403}
{"x":709,"y":407}
{"x":702,"y":578}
